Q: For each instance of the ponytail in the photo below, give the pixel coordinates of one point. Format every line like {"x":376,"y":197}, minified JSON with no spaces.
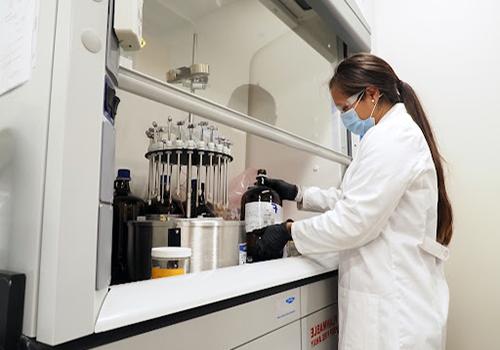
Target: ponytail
{"x":445,"y":214}
{"x":361,"y":70}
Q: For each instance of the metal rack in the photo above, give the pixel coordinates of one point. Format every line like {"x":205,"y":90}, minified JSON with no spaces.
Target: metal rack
{"x":197,"y":152}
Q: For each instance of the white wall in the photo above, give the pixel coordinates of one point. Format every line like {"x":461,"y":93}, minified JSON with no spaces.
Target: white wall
{"x":449,"y":51}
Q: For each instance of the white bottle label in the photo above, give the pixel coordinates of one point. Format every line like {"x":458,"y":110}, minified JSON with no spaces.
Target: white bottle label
{"x":261,"y":214}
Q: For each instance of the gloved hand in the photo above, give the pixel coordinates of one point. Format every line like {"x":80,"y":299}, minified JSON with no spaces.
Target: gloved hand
{"x":271,"y":242}
{"x":285,"y":190}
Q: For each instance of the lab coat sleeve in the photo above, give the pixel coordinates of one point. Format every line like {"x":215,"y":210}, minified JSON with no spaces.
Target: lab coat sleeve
{"x":386,"y":167}
{"x":319,"y":200}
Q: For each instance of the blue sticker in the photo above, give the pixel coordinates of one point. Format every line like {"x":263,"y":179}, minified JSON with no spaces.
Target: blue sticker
{"x":275,"y":207}
{"x":290,"y":300}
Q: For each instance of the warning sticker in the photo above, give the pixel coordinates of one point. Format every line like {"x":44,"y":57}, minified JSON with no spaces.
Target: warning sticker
{"x":321,"y":331}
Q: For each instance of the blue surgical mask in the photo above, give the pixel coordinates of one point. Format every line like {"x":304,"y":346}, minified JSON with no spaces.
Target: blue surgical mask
{"x":351,"y":119}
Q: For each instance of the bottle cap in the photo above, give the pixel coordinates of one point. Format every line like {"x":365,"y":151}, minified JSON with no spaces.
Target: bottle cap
{"x":262,"y":172}
{"x":123,"y":174}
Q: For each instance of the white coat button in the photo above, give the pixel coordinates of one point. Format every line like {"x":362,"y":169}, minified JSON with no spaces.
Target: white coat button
{"x":91,"y":41}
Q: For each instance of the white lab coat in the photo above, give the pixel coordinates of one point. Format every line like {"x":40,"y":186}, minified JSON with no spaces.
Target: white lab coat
{"x":382,"y":221}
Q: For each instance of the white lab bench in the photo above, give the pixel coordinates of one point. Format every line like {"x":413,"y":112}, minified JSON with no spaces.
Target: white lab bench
{"x":282,"y":304}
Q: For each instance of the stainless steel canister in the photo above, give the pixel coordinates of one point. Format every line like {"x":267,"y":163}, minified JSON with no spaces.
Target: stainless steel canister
{"x":214,"y":242}
{"x":160,"y":230}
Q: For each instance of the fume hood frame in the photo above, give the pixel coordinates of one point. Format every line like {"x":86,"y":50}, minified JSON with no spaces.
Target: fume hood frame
{"x":156,"y":90}
{"x":316,"y":20}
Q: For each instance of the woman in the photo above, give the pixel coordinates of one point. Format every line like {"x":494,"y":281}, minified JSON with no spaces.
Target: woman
{"x":390,"y":221}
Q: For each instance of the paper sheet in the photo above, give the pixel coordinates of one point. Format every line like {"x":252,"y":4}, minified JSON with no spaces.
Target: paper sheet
{"x":18,"y":31}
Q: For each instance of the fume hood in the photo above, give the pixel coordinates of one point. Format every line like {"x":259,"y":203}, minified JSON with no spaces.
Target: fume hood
{"x":66,"y":144}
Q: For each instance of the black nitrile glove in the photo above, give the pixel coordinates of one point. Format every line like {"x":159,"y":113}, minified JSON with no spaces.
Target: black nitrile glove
{"x":285,"y":190}
{"x":271,"y":242}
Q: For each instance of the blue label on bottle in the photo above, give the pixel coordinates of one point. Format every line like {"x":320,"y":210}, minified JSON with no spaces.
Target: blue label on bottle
{"x":275,"y":207}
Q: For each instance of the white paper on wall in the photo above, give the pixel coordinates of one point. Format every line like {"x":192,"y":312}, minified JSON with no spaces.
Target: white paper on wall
{"x":18,"y":31}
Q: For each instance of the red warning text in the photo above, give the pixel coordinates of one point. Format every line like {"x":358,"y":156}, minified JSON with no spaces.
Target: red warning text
{"x":320,"y":332}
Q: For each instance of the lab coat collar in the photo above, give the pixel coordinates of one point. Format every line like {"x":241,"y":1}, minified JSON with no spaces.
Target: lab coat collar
{"x":398,"y":108}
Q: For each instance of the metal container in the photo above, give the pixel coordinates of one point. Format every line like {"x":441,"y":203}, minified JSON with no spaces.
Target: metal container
{"x":161,"y":231}
{"x":214,"y":242}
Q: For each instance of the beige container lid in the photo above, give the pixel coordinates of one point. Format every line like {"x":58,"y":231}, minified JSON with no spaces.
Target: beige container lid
{"x":171,"y":253}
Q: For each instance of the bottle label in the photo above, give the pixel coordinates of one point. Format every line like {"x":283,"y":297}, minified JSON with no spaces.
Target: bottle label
{"x":262,"y":214}
{"x":242,"y":253}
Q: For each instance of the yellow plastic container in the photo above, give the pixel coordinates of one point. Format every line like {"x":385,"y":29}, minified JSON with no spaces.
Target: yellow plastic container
{"x":169,"y":261}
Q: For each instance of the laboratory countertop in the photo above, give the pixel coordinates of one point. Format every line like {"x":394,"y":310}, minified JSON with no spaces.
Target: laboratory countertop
{"x":146,"y":300}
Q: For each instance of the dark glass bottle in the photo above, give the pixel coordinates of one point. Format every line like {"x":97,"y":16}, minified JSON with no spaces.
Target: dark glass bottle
{"x":260,"y":207}
{"x":204,"y":209}
{"x":162,"y":205}
{"x":166,"y":207}
{"x":126,"y":207}
{"x":176,"y":207}
{"x":194,"y":193}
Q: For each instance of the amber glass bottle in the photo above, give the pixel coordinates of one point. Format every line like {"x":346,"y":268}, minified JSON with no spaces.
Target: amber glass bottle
{"x":260,"y":207}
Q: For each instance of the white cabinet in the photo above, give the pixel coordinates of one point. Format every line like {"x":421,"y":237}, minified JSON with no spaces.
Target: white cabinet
{"x":225,"y":329}
{"x":299,"y":318}
{"x":287,"y":337}
{"x":320,"y":330}
{"x":315,"y":296}
{"x":319,"y":312}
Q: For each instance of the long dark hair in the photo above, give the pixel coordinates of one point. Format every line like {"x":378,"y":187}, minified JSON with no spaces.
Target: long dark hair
{"x":358,"y":72}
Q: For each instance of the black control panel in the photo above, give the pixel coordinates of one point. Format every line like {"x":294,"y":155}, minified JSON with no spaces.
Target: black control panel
{"x":111,"y":101}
